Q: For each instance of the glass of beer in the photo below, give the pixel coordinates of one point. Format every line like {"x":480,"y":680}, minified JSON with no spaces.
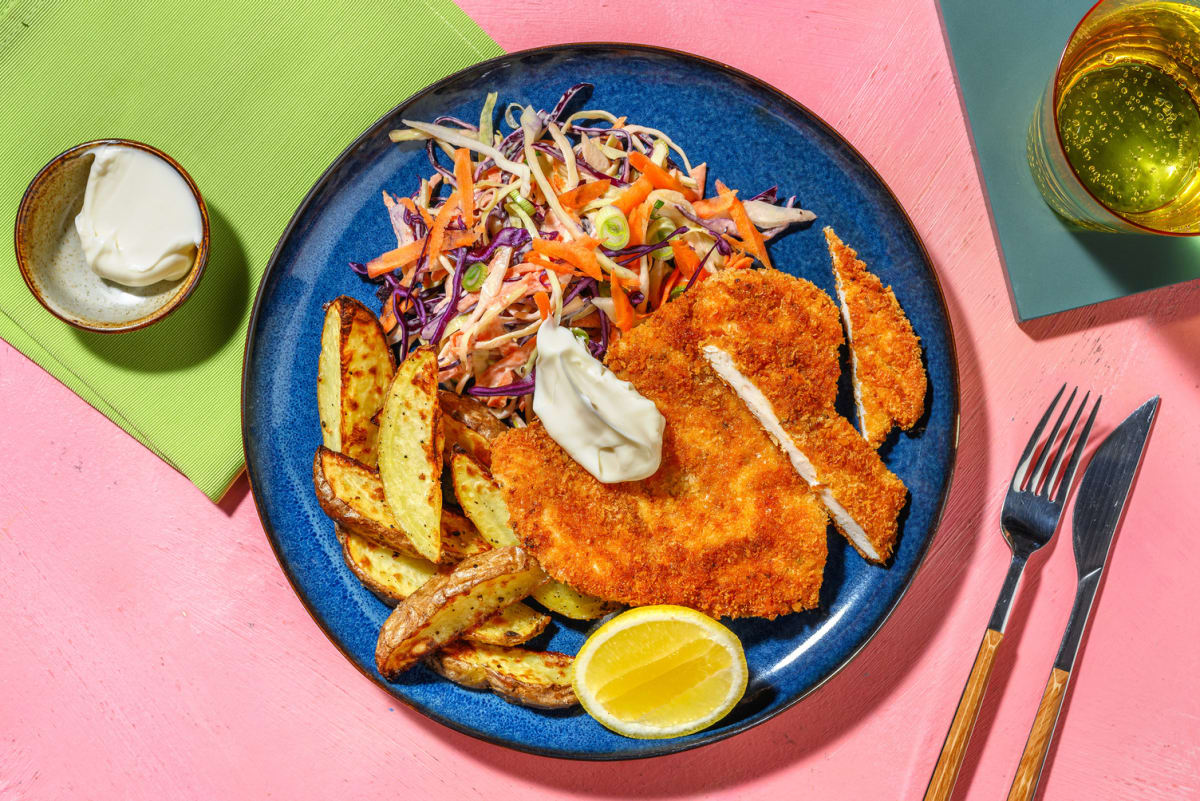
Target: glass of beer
{"x":1114,"y":144}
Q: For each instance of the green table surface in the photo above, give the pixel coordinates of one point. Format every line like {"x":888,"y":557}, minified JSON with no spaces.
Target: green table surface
{"x":1004,"y":54}
{"x":255,"y":99}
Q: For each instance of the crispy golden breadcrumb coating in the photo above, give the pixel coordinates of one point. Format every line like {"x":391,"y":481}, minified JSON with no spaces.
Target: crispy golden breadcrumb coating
{"x":725,"y":526}
{"x":889,"y":379}
{"x":781,"y":335}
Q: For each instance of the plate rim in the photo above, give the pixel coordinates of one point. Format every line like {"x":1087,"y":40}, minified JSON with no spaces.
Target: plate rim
{"x":666,"y":747}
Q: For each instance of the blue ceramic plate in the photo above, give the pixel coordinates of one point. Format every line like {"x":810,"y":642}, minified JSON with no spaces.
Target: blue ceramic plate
{"x":752,"y":136}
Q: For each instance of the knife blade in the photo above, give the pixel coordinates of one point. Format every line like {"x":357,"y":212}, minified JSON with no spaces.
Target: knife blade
{"x":1103,"y":493}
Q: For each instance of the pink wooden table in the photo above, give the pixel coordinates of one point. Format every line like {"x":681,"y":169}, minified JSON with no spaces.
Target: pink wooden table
{"x":151,"y":647}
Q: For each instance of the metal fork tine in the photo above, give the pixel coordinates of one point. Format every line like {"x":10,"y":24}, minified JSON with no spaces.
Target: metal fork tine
{"x":1064,"y":488}
{"x":1023,"y":465}
{"x":1045,"y":454}
{"x":1052,"y":479}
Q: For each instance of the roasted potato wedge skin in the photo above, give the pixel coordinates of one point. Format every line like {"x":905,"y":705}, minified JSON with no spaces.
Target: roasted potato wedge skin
{"x":392,"y":577}
{"x":471,"y":413}
{"x":461,"y":438}
{"x":410,"y":452}
{"x":452,"y":603}
{"x":538,"y":679}
{"x":354,"y":370}
{"x":352,"y":495}
{"x":484,"y":506}
{"x":460,"y":538}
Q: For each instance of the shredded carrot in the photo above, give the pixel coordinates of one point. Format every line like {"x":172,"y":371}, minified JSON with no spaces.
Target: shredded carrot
{"x":664,"y":292}
{"x":464,"y":174}
{"x":584,"y":194}
{"x":622,"y":308}
{"x":589,"y":320}
{"x":387,"y":318}
{"x":407,"y":203}
{"x":543,"y":303}
{"x":633,"y":195}
{"x":739,"y":264}
{"x":579,"y":253}
{"x":658,"y":176}
{"x":714,"y":206}
{"x":750,"y":235}
{"x":437,"y":231}
{"x":638,"y":220}
{"x":405,"y":255}
{"x":686,"y":260}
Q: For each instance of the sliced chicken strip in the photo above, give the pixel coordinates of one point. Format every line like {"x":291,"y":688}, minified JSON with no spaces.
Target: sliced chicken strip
{"x":885,"y":353}
{"x":774,"y":340}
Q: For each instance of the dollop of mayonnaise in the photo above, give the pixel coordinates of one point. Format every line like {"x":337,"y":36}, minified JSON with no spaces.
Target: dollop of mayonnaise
{"x":140,"y":222}
{"x":601,"y":421}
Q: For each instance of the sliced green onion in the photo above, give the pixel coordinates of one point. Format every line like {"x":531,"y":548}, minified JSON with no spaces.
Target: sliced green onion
{"x":473,"y":277}
{"x":581,"y":335}
{"x":660,"y":230}
{"x":517,"y":200}
{"x":612,"y":228}
{"x":677,"y":291}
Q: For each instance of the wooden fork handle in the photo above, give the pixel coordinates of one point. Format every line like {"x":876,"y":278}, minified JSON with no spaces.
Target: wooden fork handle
{"x":1029,"y":770}
{"x":945,"y":774}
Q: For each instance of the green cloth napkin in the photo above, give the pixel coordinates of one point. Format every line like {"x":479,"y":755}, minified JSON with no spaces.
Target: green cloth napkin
{"x":254,"y":99}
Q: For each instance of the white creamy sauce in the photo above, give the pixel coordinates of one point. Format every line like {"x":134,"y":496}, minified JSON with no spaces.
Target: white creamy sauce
{"x":601,"y":421}
{"x":140,"y":222}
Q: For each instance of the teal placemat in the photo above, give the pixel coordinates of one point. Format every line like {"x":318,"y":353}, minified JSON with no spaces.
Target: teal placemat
{"x":1004,"y":54}
{"x":255,"y":99}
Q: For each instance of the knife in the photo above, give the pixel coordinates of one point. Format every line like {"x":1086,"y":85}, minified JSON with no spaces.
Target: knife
{"x":1103,"y":493}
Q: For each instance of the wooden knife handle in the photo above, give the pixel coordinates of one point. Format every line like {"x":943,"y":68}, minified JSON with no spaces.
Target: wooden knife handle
{"x":945,"y":774}
{"x":1030,"y":769}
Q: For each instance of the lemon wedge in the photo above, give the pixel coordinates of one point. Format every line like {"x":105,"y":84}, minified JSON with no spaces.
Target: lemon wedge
{"x":660,"y":671}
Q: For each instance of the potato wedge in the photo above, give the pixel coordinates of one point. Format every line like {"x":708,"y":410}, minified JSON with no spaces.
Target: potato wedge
{"x":410,"y":452}
{"x":460,"y":538}
{"x":449,"y":604}
{"x":484,"y":506}
{"x":467,"y":440}
{"x":471,"y":413}
{"x":354,"y":370}
{"x":392,"y":577}
{"x":352,"y":495}
{"x":530,"y":678}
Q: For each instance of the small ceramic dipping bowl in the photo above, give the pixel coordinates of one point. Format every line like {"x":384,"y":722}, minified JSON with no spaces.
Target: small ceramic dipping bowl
{"x":51,"y":258}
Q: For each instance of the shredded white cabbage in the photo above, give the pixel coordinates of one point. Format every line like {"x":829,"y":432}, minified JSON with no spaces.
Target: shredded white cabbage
{"x":459,"y":139}
{"x":568,"y":156}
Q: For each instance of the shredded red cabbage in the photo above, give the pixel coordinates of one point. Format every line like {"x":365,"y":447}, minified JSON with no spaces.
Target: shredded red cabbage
{"x":700,"y":268}
{"x":723,"y":247}
{"x":767,"y":195}
{"x":626,"y":255}
{"x":451,"y":310}
{"x":566,"y":98}
{"x":506,"y":237}
{"x":522,"y":387}
{"x":446,"y":118}
{"x":554,"y":152}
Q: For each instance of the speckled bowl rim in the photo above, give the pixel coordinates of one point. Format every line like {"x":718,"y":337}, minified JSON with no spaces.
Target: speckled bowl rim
{"x":669,"y":746}
{"x":26,"y":210}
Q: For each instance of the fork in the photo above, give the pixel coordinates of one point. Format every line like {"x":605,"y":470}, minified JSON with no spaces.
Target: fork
{"x":1032,"y":510}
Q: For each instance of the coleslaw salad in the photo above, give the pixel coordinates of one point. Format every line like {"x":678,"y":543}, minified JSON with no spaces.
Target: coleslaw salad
{"x":584,"y":217}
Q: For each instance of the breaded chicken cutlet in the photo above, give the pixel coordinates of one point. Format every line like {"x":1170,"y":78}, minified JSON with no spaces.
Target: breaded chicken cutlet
{"x":725,"y":526}
{"x":774,"y":339}
{"x":885,"y":352}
